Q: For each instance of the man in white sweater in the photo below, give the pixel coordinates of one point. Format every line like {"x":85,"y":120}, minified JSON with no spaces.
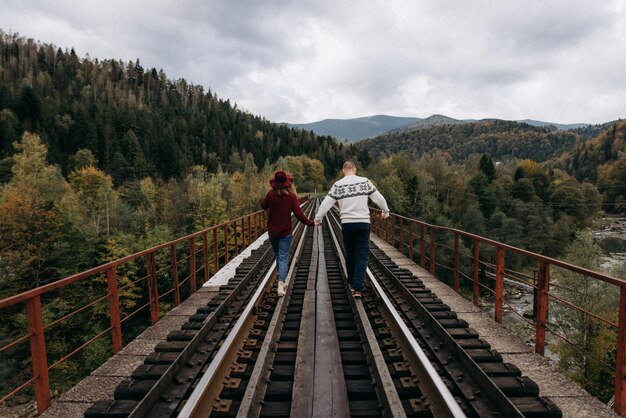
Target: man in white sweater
{"x":351,"y":193}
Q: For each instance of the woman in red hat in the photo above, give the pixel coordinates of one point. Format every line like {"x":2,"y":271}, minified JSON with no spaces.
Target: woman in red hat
{"x":280,"y":202}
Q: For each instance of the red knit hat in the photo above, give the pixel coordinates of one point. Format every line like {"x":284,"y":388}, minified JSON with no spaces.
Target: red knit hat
{"x":281,"y":180}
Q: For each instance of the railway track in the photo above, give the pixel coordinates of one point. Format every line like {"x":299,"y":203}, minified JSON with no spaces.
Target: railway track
{"x":398,"y":351}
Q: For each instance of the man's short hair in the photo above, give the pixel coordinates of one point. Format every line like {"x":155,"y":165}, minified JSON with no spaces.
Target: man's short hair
{"x":349,"y":165}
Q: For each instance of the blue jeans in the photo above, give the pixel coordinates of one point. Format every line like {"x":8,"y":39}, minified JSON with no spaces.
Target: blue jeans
{"x":356,"y":241}
{"x":281,"y":249}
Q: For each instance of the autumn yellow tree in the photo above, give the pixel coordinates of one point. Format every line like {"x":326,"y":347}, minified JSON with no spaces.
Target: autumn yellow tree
{"x":94,"y":189}
{"x":207,"y":207}
{"x":30,"y":222}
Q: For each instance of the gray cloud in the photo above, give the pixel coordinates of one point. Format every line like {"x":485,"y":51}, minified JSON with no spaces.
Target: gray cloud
{"x":300,"y":61}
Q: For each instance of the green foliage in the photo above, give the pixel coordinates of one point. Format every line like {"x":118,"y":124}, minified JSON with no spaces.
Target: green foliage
{"x":395,"y":192}
{"x":589,"y":358}
{"x":308,"y":172}
{"x":501,"y":140}
{"x":30,"y":222}
{"x":520,"y":203}
{"x":487,"y":168}
{"x":136,"y":122}
{"x":602,"y":160}
{"x":83,"y":158}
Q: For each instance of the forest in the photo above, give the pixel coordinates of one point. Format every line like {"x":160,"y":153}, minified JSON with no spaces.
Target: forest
{"x":500,"y":139}
{"x":100,"y":159}
{"x":135,"y":121}
{"x":601,"y":161}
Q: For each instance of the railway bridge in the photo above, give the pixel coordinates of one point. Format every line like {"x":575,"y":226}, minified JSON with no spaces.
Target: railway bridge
{"x":412,"y":346}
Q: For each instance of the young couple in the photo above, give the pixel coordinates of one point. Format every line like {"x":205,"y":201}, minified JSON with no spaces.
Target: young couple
{"x":351,"y":193}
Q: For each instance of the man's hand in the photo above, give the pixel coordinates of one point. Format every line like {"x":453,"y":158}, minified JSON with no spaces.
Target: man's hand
{"x":317,"y":223}
{"x":384,"y":215}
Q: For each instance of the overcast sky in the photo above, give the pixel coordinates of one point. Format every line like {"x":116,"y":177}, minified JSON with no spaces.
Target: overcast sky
{"x":296,"y":61}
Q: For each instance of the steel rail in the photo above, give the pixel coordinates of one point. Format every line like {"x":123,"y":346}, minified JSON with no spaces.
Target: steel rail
{"x":251,"y":401}
{"x":144,"y":407}
{"x":197,"y":405}
{"x":442,"y":401}
{"x":484,"y":383}
{"x":394,"y":406}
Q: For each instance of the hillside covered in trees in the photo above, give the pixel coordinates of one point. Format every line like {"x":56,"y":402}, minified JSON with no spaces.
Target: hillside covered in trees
{"x":602,"y":161}
{"x":595,"y":154}
{"x":134,"y":120}
{"x":502,"y":140}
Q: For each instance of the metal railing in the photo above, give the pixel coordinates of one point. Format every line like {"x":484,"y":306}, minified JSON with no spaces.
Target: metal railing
{"x":196,"y":255}
{"x":425,"y":243}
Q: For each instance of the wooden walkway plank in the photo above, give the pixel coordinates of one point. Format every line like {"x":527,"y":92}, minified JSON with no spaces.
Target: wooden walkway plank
{"x":330,"y":396}
{"x":302,"y":393}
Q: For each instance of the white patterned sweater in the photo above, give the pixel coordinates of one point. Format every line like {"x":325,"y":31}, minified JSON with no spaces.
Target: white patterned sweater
{"x":351,"y":193}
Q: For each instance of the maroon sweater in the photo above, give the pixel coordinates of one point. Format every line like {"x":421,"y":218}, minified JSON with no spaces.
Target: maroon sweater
{"x":279,"y":208}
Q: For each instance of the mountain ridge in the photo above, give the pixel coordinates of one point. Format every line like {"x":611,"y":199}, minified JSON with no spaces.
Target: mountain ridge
{"x":357,"y":129}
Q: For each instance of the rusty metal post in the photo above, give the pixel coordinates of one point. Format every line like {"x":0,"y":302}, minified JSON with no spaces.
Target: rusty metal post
{"x":249,"y":230}
{"x":236,"y":241}
{"x":205,"y":255}
{"x":260,"y":223}
{"x":457,"y":263}
{"x":543,"y":285}
{"x":422,"y":246}
{"x":620,"y":360}
{"x":243,"y":236}
{"x":38,"y":353}
{"x":387,"y":230}
{"x":411,"y":239}
{"x":114,"y":309}
{"x":432,"y":250}
{"x":243,"y":233}
{"x":393,"y":231}
{"x":373,"y":221}
{"x":476,"y":267}
{"x":401,"y":236}
{"x":192,"y":263}
{"x":174,"y":258}
{"x":216,"y":255}
{"x":226,"y":243}
{"x":153,"y":290}
{"x":499,"y":285}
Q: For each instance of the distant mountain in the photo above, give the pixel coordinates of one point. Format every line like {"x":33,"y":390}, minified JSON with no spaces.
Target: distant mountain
{"x":368,"y":127}
{"x":355,"y":129}
{"x":429,"y":122}
{"x":559,"y":126}
{"x":438,"y":120}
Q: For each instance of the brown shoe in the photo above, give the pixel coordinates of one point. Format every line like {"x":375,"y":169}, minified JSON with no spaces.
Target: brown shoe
{"x":356,"y":294}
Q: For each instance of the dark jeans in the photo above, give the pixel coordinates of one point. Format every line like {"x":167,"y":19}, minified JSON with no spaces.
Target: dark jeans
{"x":356,"y":240}
{"x":281,"y":249}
